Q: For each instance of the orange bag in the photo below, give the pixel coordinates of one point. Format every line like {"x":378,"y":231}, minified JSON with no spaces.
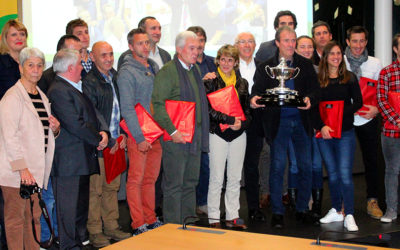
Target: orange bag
{"x":114,"y":164}
{"x":368,"y":91}
{"x":332,"y":115}
{"x":182,"y":115}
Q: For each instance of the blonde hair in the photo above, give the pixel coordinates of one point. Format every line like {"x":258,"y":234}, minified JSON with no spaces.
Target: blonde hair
{"x":228,"y":50}
{"x":4,"y":49}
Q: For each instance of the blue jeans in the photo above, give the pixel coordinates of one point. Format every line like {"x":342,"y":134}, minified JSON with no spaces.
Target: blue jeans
{"x":338,"y":155}
{"x":293,"y":170}
{"x":48,"y":198}
{"x":317,"y":177}
{"x":290,"y":129}
{"x":202,"y":187}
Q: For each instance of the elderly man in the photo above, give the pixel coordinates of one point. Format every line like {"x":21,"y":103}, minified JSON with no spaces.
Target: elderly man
{"x":321,"y":33}
{"x":84,"y":132}
{"x":180,"y":80}
{"x":135,"y":80}
{"x":246,"y":45}
{"x":282,"y":124}
{"x":365,"y":122}
{"x":100,"y":86}
{"x":269,"y":48}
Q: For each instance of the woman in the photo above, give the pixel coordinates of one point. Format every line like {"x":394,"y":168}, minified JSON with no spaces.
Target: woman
{"x":305,"y":47}
{"x":228,"y":146}
{"x":26,"y":148}
{"x":339,"y":84}
{"x":13,"y":40}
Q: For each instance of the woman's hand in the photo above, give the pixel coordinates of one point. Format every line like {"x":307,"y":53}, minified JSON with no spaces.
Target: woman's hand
{"x":237,"y":125}
{"x":325,"y":132}
{"x":26,"y":177}
{"x":54,"y":125}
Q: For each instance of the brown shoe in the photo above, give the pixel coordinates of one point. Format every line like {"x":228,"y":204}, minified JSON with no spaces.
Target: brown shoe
{"x":117,"y":234}
{"x":99,"y":240}
{"x":236,"y":224}
{"x":215,"y":225}
{"x":373,"y":209}
{"x":285,"y":199}
{"x":264,"y":200}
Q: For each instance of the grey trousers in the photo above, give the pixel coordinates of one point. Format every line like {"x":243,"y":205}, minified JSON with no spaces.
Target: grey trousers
{"x":391,"y":149}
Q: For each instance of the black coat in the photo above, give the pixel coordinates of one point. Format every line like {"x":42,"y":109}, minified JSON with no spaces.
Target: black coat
{"x":306,"y":83}
{"x":75,"y":151}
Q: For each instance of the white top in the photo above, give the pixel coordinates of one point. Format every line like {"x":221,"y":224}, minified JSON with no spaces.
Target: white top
{"x":247,"y":71}
{"x":156,"y":57}
{"x":369,"y":69}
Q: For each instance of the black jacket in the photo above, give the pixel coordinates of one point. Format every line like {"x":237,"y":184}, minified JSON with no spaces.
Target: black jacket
{"x":217,"y":117}
{"x":306,"y":83}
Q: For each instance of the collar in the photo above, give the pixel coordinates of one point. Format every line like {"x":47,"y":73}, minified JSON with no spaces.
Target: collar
{"x":105,"y":76}
{"x":185,"y":66}
{"x":156,"y":51}
{"x":243,"y":62}
{"x":77,"y":85}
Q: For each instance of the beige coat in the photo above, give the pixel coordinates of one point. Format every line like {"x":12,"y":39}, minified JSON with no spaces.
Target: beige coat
{"x":22,"y":138}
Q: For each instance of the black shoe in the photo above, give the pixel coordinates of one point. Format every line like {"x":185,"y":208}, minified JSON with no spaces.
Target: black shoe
{"x":256,"y":215}
{"x":317,"y":195}
{"x":307,"y":217}
{"x":292,"y":192}
{"x":277,"y":221}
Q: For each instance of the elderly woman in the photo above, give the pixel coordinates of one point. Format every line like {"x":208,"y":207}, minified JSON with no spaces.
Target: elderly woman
{"x":13,"y":40}
{"x":228,"y":146}
{"x":27,"y":133}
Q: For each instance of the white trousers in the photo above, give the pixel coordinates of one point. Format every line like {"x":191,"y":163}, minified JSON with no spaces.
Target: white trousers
{"x":232,"y":153}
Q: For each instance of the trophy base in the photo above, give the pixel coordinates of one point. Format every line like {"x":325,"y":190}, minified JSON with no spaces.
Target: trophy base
{"x":275,"y":100}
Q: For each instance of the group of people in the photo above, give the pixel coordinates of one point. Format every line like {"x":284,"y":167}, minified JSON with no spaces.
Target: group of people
{"x":58,"y":147}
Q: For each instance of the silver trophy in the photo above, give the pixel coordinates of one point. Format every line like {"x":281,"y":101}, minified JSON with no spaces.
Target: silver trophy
{"x":281,"y":96}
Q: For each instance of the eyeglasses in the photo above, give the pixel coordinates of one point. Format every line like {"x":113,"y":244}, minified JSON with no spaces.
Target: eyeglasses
{"x":246,"y":41}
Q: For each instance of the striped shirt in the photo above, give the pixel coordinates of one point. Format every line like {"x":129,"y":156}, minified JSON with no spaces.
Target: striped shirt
{"x":389,"y":80}
{"x":39,"y":106}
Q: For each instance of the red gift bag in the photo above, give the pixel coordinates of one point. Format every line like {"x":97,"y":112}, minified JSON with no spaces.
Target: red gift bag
{"x":150,"y":128}
{"x":332,"y":115}
{"x":114,"y":164}
{"x":368,"y":91}
{"x":394,"y":101}
{"x":182,"y":115}
{"x":226,"y":101}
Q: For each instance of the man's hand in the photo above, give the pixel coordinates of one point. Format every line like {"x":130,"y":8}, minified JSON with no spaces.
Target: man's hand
{"x":370,"y":113}
{"x":253,"y":102}
{"x":26,"y":177}
{"x":114,"y":148}
{"x":122,"y":145}
{"x":209,"y":76}
{"x":178,"y":137}
{"x":104,"y":141}
{"x":307,"y":102}
{"x":144,"y":146}
{"x":325,"y":132}
{"x":237,"y":125}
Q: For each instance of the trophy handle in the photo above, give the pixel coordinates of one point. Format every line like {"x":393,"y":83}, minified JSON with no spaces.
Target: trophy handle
{"x":298,"y":71}
{"x":268,"y":69}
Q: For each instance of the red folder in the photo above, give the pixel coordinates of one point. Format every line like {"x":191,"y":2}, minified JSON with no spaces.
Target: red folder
{"x":226,"y":101}
{"x":368,"y":91}
{"x":332,"y":115}
{"x":394,"y":101}
{"x":182,"y":115}
{"x":150,"y":128}
{"x":114,"y":164}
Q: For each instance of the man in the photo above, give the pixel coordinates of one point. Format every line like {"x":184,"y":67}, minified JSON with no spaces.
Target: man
{"x":269,"y":48}
{"x":246,"y":45}
{"x":321,"y":33}
{"x":153,"y":30}
{"x":389,"y":81}
{"x":180,"y":79}
{"x":282,"y":124}
{"x":366,"y":123}
{"x":100,"y":86}
{"x":207,"y":65}
{"x":79,"y":28}
{"x":135,"y":80}
{"x":65,"y":42}
{"x":83,"y":133}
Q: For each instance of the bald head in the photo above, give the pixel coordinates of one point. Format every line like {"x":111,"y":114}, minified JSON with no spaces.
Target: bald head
{"x":103,"y":56}
{"x":246,"y":45}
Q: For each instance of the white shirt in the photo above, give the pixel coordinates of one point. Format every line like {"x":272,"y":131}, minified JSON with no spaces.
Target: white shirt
{"x":156,"y":57}
{"x":247,"y":71}
{"x":369,"y":69}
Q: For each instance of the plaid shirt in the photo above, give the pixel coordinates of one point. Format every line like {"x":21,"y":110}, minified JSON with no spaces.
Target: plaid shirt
{"x":115,"y":114}
{"x":87,"y":66}
{"x":389,"y":80}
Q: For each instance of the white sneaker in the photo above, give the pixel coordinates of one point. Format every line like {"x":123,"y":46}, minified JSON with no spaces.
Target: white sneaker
{"x":331,"y":216}
{"x":389,"y":216}
{"x":350,"y":223}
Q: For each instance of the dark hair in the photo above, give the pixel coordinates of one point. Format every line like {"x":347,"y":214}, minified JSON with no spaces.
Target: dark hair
{"x":284,"y":13}
{"x":323,"y":69}
{"x":73,"y":24}
{"x":320,"y":23}
{"x":356,"y":29}
{"x":61,"y":42}
{"x":134,"y":32}
{"x":306,"y":37}
{"x":280,"y":30}
{"x":198,"y":29}
{"x":395,"y":41}
{"x":142,"y":22}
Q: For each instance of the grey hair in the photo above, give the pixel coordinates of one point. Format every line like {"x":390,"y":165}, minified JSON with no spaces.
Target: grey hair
{"x":281,"y":29}
{"x":27,"y":53}
{"x":64,"y":58}
{"x":181,"y":38}
{"x":242,"y":33}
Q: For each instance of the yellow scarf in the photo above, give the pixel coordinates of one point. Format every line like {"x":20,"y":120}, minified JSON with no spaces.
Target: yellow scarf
{"x":231,"y":80}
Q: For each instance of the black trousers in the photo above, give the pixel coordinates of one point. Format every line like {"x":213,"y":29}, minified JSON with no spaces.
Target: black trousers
{"x":368,"y":138}
{"x":72,"y":201}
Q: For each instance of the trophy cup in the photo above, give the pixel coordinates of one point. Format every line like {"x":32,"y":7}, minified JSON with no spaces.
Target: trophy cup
{"x":281,"y":96}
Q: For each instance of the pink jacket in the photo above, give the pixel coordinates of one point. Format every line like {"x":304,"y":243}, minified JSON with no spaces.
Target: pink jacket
{"x":22,"y":138}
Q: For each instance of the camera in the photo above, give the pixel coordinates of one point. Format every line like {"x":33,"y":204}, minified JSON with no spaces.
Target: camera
{"x":26,"y":191}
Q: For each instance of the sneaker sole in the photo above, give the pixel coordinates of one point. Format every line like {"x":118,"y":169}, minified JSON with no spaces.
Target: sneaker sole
{"x":388,"y":220}
{"x":375,"y":217}
{"x":331,"y":221}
